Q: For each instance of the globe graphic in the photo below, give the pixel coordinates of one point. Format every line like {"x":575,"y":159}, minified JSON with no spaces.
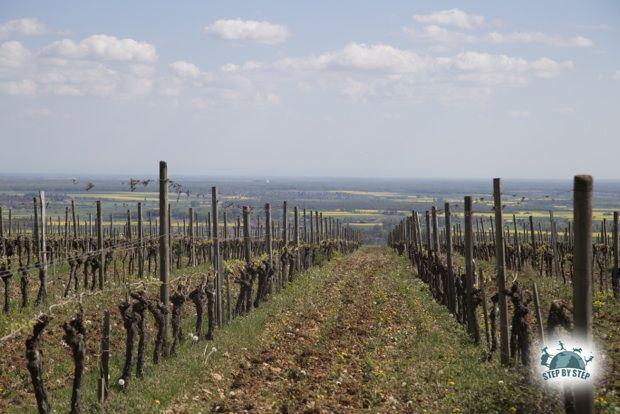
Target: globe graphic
{"x":567,"y":359}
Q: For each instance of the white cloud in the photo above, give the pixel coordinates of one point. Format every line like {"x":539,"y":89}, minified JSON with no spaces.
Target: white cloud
{"x":21,"y":87}
{"x":28,"y":26}
{"x":248,"y":30}
{"x":361,"y":57}
{"x":362,"y":72}
{"x":13,"y":54}
{"x":446,"y":37}
{"x":539,"y":38}
{"x":548,"y":68}
{"x":436,"y":34}
{"x":103,"y":47}
{"x":230,"y":67}
{"x":616,"y":76}
{"x":452,"y":17}
{"x":185,"y":69}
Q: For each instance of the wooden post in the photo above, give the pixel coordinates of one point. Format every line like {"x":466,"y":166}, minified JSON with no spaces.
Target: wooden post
{"x":484,"y":307}
{"x":501,"y":273}
{"x":472,"y":322}
{"x":74,"y":220}
{"x":317,"y":227}
{"x":284,"y":224}
{"x":296,"y":238}
{"x":140,"y":243}
{"x":539,"y":323}
{"x":225,"y":229}
{"x":429,"y":247}
{"x":164,"y":243}
{"x":192,"y":252}
{"x":35,"y":230}
{"x":305,"y":228}
{"x":268,"y":233}
{"x":43,"y":249}
{"x":311,"y":228}
{"x":2,"y":233}
{"x":582,"y":280}
{"x":247,"y":242}
{"x":436,"y":248}
{"x":217,"y":258}
{"x":615,"y":275}
{"x":100,"y":247}
{"x":450,"y":289}
{"x":104,"y":370}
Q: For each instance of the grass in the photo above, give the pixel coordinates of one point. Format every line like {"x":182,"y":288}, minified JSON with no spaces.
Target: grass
{"x":437,"y":367}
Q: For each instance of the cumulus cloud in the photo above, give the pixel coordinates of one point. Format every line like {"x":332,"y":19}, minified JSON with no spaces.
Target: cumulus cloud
{"x":104,"y":47}
{"x":452,"y":17}
{"x":616,"y":76}
{"x":384,"y":58}
{"x":21,"y":87}
{"x":446,"y":37}
{"x":361,"y":57}
{"x":362,"y":72}
{"x":248,"y":30}
{"x":13,"y":54}
{"x":539,"y":38}
{"x":184,"y":69}
{"x":28,"y":26}
{"x":437,"y":34}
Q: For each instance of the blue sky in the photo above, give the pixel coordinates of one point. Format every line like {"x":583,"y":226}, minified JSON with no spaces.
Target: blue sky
{"x":358,"y":88}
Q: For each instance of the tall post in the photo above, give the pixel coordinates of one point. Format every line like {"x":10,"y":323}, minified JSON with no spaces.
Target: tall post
{"x":74,"y":220}
{"x":615,"y":275}
{"x":472,"y":321}
{"x":305,"y":228}
{"x":450,"y":291}
{"x":435,"y":230}
{"x":268,"y":233}
{"x":217,"y":259}
{"x":317,"y":227}
{"x":192,"y":252}
{"x":429,"y":247}
{"x":43,"y":249}
{"x":582,"y":280}
{"x":296,"y":238}
{"x":532,"y":235}
{"x":539,"y":323}
{"x":284,"y":224}
{"x":35,"y":229}
{"x":311,"y":228}
{"x":104,"y":369}
{"x":164,"y":242}
{"x":140,"y":242}
{"x":247,"y":242}
{"x":501,"y":272}
{"x":100,"y":247}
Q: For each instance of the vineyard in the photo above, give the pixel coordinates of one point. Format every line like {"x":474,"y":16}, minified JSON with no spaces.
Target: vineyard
{"x":554,"y":279}
{"x":255,"y":308}
{"x":113,"y":296}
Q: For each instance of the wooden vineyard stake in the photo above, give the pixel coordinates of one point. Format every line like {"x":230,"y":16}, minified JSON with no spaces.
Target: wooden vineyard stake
{"x":501,"y":273}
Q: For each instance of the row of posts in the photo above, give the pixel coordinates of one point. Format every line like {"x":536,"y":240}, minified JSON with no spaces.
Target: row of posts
{"x":582,"y":267}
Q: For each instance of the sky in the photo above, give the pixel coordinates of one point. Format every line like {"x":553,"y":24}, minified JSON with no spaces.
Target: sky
{"x":451,"y":89}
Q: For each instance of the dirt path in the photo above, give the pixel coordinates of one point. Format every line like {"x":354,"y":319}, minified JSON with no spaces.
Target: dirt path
{"x":369,"y":340}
